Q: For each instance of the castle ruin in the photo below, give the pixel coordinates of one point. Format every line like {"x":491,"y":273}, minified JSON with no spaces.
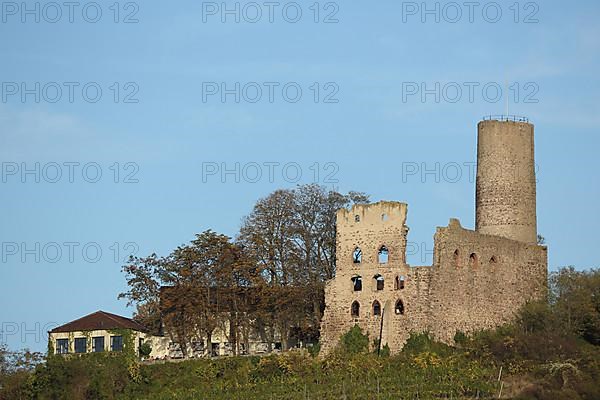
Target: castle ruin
{"x":479,"y":278}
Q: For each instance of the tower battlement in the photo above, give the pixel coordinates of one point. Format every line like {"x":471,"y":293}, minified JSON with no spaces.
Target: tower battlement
{"x":376,"y":215}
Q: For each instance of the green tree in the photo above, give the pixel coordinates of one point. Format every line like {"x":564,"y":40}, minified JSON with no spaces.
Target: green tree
{"x":354,"y":341}
{"x":575,"y":298}
{"x":291,"y":234}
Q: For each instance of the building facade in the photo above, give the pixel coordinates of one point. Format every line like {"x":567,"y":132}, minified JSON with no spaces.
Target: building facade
{"x":98,"y":332}
{"x":478,"y":279}
{"x":167,"y":347}
{"x":106,"y":332}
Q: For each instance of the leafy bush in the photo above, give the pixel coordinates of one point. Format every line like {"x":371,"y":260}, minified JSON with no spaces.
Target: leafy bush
{"x":424,"y":343}
{"x":268,"y":369}
{"x":145,"y":349}
{"x":534,"y":317}
{"x":385,"y":351}
{"x":460,"y":338}
{"x":354,"y":341}
{"x":298,"y":363}
{"x":314,"y":349}
{"x":89,"y":376}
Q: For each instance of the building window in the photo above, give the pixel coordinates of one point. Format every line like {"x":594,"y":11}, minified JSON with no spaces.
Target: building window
{"x":399,"y":309}
{"x":376,"y":308}
{"x":357,"y":283}
{"x":62,"y":346}
{"x":383,"y":255}
{"x":98,"y":344}
{"x":141,"y":343}
{"x":473,"y":260}
{"x":197,"y":345}
{"x":80,"y":345}
{"x":116,"y":343}
{"x":399,"y":284}
{"x":456,"y":258}
{"x":355,"y":309}
{"x":379,"y":282}
{"x":357,"y":255}
{"x":357,"y":218}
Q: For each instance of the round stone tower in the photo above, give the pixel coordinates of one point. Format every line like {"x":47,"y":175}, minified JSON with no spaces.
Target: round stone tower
{"x":505,"y":203}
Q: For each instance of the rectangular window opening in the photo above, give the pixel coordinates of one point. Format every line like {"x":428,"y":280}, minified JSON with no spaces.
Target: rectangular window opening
{"x":116,"y":343}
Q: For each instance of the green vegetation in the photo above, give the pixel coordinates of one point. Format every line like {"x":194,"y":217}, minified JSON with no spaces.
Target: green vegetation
{"x":354,"y":341}
{"x":550,"y":352}
{"x":145,"y":349}
{"x":15,"y":372}
{"x":291,"y":375}
{"x":269,"y":279}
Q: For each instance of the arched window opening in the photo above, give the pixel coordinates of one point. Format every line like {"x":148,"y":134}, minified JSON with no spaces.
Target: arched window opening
{"x":357,"y":218}
{"x":383,"y":255}
{"x":384,"y":217}
{"x":379,"y":282}
{"x":473,"y":260}
{"x":493,"y":260}
{"x":355,"y":309}
{"x":357,"y":255}
{"x":399,"y":309}
{"x":456,"y":258}
{"x":357,"y":283}
{"x":376,"y":308}
{"x":399,"y":284}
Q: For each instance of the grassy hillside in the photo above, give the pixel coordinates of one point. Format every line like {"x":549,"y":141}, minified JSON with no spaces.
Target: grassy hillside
{"x":550,"y":352}
{"x":535,"y":365}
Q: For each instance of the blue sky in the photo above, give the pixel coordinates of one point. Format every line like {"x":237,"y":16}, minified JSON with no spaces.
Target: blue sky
{"x":364,"y":130}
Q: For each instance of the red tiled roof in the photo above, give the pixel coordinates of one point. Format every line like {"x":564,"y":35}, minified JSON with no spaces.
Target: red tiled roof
{"x":98,"y":321}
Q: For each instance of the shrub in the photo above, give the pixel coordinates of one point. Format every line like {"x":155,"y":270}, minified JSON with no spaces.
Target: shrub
{"x":97,"y":375}
{"x":314,"y":349}
{"x":296,"y":362}
{"x":384,"y":351}
{"x":145,"y":349}
{"x":267,"y":370}
{"x":207,"y":370}
{"x":354,"y":341}
{"x":534,"y":317}
{"x":424,"y":343}
{"x":460,"y":338}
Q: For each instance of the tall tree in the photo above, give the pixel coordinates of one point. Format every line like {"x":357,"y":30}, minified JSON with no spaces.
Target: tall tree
{"x":292,"y":234}
{"x":575,"y":297}
{"x":193,"y":289}
{"x":271,"y":279}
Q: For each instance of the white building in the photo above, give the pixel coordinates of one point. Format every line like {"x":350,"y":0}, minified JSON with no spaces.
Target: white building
{"x":98,"y":332}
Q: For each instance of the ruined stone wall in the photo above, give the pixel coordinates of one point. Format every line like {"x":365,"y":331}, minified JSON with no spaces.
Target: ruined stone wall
{"x":480,"y":281}
{"x":369,"y":227}
{"x":476,"y":281}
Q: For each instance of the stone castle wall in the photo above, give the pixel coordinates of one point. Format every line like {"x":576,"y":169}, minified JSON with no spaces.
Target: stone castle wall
{"x":476,"y":281}
{"x":369,"y":227}
{"x":479,"y":279}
